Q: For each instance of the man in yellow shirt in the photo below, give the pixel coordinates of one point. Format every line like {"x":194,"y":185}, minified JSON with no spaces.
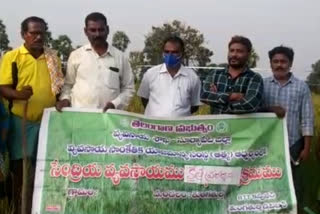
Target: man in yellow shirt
{"x":30,"y":77}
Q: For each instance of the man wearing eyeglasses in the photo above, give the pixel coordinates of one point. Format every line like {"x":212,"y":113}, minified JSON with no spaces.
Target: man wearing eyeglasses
{"x":30,"y":78}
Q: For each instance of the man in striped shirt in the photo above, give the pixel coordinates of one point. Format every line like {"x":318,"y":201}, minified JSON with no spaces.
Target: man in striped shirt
{"x":236,"y":89}
{"x":285,"y":94}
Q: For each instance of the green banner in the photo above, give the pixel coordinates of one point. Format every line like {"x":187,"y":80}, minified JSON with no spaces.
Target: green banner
{"x":123,"y":163}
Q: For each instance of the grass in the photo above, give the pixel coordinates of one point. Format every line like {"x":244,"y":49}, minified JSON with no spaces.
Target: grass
{"x":310,"y":170}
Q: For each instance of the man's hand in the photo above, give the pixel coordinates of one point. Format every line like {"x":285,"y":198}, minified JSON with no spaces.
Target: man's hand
{"x":61,"y":104}
{"x":304,"y":155}
{"x":236,"y":96}
{"x":25,"y":93}
{"x":213,"y":88}
{"x":109,"y":105}
{"x":278,"y":110}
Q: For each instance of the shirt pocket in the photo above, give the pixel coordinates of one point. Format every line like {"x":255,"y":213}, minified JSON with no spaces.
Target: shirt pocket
{"x":183,"y":96}
{"x":294,"y":102}
{"x":112,"y":79}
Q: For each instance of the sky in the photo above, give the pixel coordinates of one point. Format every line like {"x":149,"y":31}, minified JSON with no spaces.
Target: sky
{"x":267,"y":23}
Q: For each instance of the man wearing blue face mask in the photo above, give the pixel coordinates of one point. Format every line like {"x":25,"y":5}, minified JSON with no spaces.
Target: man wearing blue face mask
{"x":170,"y":89}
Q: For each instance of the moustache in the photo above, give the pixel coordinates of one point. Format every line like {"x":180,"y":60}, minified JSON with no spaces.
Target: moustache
{"x":98,"y":38}
{"x":40,"y":41}
{"x":233,"y":58}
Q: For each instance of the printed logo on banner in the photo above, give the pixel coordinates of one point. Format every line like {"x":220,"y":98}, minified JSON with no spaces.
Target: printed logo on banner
{"x":222,"y":127}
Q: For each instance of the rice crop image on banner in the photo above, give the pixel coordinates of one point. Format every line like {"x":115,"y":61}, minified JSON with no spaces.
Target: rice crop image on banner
{"x":123,"y":163}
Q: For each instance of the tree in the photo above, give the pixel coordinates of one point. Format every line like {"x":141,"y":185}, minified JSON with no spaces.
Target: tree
{"x":136,"y":59}
{"x":4,"y":41}
{"x":120,"y":40}
{"x":253,"y":59}
{"x":223,"y":65}
{"x":313,"y":79}
{"x":195,"y":52}
{"x":63,"y":45}
{"x":48,"y":39}
{"x":202,"y":56}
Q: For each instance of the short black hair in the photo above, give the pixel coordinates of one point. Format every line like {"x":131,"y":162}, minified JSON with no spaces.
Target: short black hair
{"x":287,"y":51}
{"x":242,"y":40}
{"x":25,"y":23}
{"x":95,"y":16}
{"x":174,"y":39}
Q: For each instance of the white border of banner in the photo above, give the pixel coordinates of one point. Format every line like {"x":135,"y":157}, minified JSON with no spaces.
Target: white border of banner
{"x":43,"y":137}
{"x":288,"y":161}
{"x":39,"y":177}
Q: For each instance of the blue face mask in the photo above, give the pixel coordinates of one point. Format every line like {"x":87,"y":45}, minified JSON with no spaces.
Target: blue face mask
{"x":172,"y":60}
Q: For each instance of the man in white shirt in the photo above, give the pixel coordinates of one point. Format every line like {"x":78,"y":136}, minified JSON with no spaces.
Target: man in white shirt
{"x":170,"y":89}
{"x":98,"y":75}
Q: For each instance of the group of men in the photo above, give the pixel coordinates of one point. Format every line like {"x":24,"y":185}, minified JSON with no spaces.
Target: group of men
{"x":99,"y":76}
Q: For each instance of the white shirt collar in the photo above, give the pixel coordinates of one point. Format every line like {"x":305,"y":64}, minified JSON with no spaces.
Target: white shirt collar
{"x":181,"y":71}
{"x":111,"y":50}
